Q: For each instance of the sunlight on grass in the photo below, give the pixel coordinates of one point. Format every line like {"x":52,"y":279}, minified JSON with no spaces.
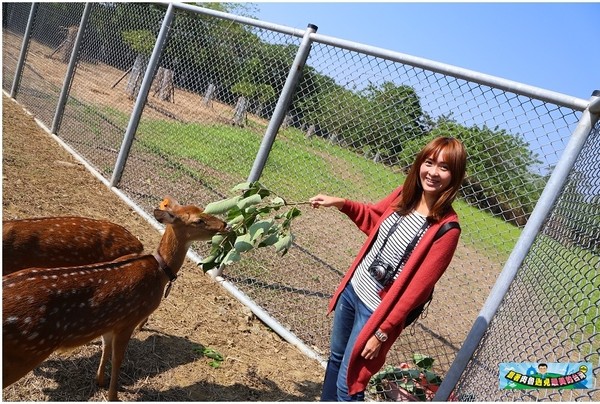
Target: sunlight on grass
{"x":298,"y":168}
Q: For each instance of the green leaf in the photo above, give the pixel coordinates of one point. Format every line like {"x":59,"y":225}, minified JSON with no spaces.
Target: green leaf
{"x":217,"y":239}
{"x":249,"y":201}
{"x":293,"y":213}
{"x":244,"y":186}
{"x":210,"y":258}
{"x":243,"y":243}
{"x":283,"y":244}
{"x":278,"y":201}
{"x":236,"y":220}
{"x":432,"y":378}
{"x":259,"y":228}
{"x":272,"y":239}
{"x":211,"y":353}
{"x":231,"y":257}
{"x":210,"y":265}
{"x":423,"y":361}
{"x":215,"y":208}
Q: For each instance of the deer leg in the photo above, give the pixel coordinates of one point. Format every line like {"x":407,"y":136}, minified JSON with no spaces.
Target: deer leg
{"x":106,"y":353}
{"x":142,"y":324}
{"x":119,"y":347}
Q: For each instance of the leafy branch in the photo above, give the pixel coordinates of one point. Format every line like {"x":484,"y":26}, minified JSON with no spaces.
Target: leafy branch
{"x":418,"y":381}
{"x":257,"y":218}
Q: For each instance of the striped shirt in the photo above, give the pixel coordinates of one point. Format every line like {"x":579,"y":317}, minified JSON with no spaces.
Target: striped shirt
{"x":366,"y":286}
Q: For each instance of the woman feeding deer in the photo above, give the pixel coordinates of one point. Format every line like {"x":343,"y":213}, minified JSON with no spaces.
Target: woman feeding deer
{"x":409,"y":246}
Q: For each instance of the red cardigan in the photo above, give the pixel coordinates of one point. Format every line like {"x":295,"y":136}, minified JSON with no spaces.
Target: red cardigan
{"x":413,"y":286}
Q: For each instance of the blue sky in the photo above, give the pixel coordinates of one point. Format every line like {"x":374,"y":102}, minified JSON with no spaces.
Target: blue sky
{"x":548,"y":45}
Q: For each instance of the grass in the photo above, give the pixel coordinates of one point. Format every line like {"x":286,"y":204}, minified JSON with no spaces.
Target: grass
{"x":297,"y":168}
{"x":571,"y":278}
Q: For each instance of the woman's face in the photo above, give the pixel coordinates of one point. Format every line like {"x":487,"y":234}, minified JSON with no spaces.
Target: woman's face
{"x":435,"y":175}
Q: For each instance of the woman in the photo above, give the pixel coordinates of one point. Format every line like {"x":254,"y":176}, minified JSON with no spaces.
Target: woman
{"x":386,"y":280}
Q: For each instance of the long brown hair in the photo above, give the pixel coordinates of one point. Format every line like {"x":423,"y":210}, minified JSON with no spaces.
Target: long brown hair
{"x":455,"y":156}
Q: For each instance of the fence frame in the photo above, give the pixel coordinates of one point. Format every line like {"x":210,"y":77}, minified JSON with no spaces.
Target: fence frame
{"x":551,"y":192}
{"x":542,"y":209}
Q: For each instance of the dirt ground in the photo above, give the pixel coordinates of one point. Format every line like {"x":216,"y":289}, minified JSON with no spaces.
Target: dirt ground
{"x":163,"y":363}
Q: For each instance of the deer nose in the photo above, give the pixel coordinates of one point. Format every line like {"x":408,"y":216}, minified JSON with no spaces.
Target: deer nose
{"x":227,"y":228}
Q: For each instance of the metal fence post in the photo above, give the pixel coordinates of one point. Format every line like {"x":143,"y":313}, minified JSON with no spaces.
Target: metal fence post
{"x":23,"y":53}
{"x":541,"y":211}
{"x":142,"y":96}
{"x":64,"y":92}
{"x":282,"y":104}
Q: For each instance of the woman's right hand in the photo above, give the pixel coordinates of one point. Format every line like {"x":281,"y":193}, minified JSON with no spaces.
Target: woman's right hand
{"x":326,"y":201}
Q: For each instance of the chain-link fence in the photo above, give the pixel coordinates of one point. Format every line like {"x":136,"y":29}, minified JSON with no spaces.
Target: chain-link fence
{"x":551,"y":312}
{"x":355,"y":118}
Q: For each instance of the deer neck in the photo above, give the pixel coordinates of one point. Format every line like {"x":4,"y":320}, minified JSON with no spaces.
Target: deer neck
{"x":172,"y":249}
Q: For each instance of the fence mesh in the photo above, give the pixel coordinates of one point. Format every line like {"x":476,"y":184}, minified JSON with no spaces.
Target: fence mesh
{"x":352,"y":129}
{"x":551,"y":312}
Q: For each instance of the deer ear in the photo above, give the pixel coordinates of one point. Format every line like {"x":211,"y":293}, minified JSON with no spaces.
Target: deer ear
{"x":168,"y":203}
{"x":164,"y":216}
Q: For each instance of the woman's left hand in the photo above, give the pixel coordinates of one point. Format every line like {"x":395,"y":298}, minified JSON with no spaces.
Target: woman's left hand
{"x":371,"y":350}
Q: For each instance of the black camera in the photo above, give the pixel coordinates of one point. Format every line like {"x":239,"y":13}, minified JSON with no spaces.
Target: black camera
{"x":382,"y":272}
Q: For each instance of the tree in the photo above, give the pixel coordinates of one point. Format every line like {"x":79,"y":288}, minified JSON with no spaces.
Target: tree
{"x":396,"y":117}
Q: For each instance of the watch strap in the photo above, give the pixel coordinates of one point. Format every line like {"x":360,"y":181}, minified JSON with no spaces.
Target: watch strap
{"x":381,"y":336}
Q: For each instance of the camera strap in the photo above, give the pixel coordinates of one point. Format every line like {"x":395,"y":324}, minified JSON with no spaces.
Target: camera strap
{"x":408,"y":249}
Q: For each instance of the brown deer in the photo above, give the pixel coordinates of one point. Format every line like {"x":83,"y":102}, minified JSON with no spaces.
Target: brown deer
{"x":51,"y":242}
{"x":62,"y":308}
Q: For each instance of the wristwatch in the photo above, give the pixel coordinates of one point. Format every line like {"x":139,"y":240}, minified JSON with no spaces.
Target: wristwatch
{"x":381,"y":336}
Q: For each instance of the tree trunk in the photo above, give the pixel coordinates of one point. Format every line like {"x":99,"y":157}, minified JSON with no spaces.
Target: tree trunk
{"x":209,"y":95}
{"x":163,"y":84}
{"x":69,"y":43}
{"x":239,"y":116}
{"x":287,"y":121}
{"x":311,"y":131}
{"x":157,"y":82}
{"x":136,"y":76}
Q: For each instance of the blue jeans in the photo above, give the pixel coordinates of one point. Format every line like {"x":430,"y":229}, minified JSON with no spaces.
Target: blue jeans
{"x":349,"y":318}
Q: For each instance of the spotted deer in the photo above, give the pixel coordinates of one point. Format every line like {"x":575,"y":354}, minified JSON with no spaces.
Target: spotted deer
{"x":51,"y":242}
{"x":62,"y":308}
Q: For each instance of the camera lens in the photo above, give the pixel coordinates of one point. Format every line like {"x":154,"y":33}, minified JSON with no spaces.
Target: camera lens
{"x":377,"y":270}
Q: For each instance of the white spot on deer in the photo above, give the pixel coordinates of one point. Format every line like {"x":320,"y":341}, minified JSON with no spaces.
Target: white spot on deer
{"x":11,"y":319}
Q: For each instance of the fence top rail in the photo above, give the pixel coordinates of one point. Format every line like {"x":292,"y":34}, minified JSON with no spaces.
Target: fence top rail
{"x":245,"y":20}
{"x":553,"y":97}
{"x":564,"y":100}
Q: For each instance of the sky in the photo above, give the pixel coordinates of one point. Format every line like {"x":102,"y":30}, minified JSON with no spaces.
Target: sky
{"x":553,"y":46}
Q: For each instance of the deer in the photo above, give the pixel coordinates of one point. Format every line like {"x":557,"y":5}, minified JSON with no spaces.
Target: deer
{"x":47,"y":242}
{"x":57,"y":309}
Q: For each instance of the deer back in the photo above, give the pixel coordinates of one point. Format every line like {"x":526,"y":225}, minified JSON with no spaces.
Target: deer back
{"x":49,"y":308}
{"x":63,"y":241}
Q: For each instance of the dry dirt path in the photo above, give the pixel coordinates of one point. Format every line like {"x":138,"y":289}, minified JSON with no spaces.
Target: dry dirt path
{"x":40,"y":178}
